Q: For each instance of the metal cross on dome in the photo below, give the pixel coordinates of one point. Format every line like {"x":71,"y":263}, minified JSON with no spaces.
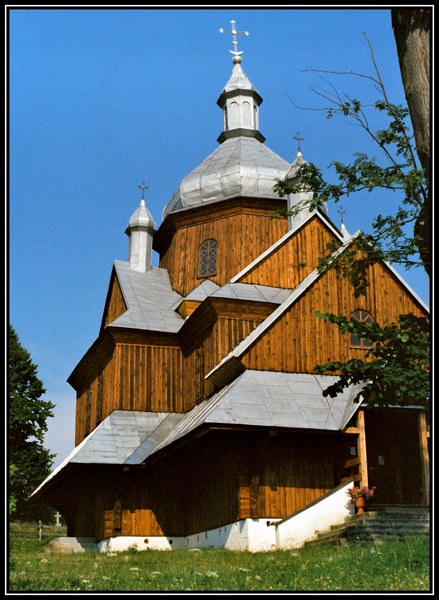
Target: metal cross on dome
{"x":143,"y":188}
{"x":341,"y":211}
{"x":299,"y":139}
{"x":234,"y":33}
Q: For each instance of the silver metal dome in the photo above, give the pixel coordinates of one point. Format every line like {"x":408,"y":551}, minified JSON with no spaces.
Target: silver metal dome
{"x":241,"y":166}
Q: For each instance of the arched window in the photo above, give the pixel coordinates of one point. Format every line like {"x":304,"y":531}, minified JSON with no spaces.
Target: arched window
{"x":363,"y":317}
{"x":207,"y":261}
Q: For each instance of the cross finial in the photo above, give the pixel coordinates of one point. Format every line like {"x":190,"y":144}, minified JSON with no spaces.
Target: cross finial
{"x":234,"y":32}
{"x":341,"y":211}
{"x":299,"y":139}
{"x":143,"y":187}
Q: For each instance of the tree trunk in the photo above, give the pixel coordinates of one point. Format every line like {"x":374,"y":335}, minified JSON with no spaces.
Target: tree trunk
{"x":411,"y":28}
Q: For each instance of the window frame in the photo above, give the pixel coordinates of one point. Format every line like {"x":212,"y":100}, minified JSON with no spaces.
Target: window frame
{"x":366,"y":317}
{"x":207,"y":258}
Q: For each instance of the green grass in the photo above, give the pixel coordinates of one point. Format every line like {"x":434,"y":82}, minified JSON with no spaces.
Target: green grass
{"x":389,"y":566}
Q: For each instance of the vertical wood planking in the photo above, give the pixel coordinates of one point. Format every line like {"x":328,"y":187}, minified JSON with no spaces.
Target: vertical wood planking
{"x":425,"y":461}
{"x":299,"y":340}
{"x":238,"y":224}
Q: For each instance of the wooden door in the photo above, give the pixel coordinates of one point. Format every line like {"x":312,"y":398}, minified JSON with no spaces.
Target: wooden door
{"x":394,"y":456}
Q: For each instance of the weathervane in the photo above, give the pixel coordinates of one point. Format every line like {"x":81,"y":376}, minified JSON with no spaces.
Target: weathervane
{"x":143,"y":187}
{"x":236,"y":55}
{"x":298,"y":138}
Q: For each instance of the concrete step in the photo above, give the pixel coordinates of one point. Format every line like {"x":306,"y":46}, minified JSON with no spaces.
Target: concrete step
{"x":374,"y":526}
{"x":71,"y":545}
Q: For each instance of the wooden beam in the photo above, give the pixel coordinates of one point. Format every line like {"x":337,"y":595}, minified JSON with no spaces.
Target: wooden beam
{"x":352,"y":462}
{"x":351,"y":430}
{"x":356,"y":478}
{"x":362,"y":448}
{"x":425,"y":459}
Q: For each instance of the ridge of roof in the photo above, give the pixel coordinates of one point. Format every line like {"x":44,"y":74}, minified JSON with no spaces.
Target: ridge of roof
{"x":252,"y":292}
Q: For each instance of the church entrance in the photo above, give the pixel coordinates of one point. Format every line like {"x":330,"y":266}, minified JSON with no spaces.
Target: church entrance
{"x":394,"y":456}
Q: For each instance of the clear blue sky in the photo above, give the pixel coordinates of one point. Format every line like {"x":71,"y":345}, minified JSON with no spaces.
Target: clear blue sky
{"x":101,"y":99}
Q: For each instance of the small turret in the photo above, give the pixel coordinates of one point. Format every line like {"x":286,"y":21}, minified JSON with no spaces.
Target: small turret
{"x":298,"y":202}
{"x":140,"y":230}
{"x":239,"y":99}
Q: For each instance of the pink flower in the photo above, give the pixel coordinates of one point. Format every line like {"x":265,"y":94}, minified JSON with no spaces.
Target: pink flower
{"x":356,"y":492}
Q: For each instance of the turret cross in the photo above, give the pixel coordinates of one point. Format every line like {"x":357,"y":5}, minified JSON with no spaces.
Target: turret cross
{"x":341,"y":211}
{"x":143,"y":187}
{"x":234,"y":34}
{"x":299,"y":139}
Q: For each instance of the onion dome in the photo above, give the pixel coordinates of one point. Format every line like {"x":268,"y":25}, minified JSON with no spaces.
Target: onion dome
{"x":242,"y":165}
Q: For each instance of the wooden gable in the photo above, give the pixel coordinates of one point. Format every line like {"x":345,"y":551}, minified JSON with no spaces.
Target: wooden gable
{"x":115,"y":304}
{"x":292,"y":339}
{"x":291,"y":261}
{"x":298,"y":340}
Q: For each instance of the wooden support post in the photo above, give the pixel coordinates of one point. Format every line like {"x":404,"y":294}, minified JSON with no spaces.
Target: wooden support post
{"x":362,"y":448}
{"x":425,"y":459}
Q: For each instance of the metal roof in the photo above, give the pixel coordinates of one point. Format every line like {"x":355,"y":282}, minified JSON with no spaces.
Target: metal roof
{"x":141,"y":217}
{"x":200,"y":293}
{"x":118,"y":438}
{"x":271,"y":399}
{"x":239,"y":81}
{"x":262,"y":398}
{"x":240,"y":166}
{"x":120,"y":435}
{"x":252,"y":292}
{"x":239,"y":291}
{"x":149,"y":298}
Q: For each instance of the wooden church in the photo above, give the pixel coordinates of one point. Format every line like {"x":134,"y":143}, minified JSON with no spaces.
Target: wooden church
{"x":200,"y":420}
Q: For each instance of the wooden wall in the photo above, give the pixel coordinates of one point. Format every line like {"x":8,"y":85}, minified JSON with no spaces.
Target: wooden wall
{"x":219,"y":478}
{"x":141,"y":371}
{"x":243,"y":229}
{"x":294,"y":260}
{"x":115,"y":305}
{"x":213,"y":330}
{"x":299,"y":341}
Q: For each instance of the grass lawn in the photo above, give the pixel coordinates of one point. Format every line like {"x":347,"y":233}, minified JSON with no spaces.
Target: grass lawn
{"x":388,"y":566}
